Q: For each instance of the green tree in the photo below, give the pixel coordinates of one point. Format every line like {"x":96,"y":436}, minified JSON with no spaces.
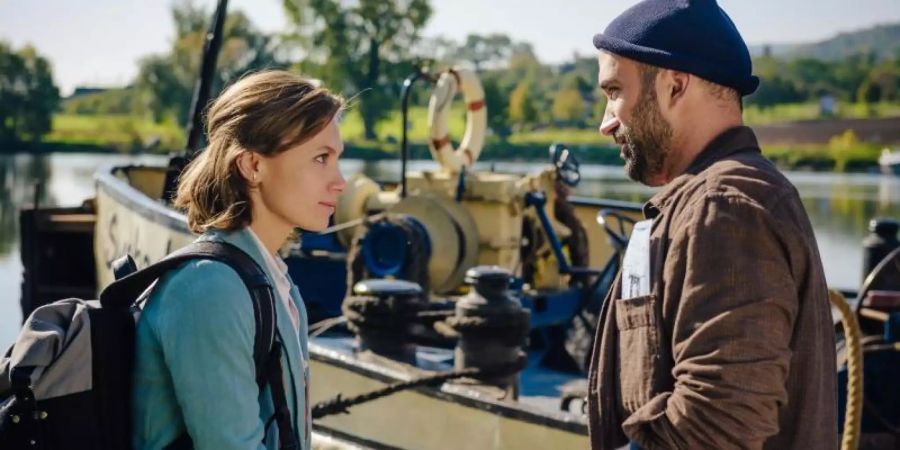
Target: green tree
{"x":28,"y":96}
{"x":522,"y":110}
{"x":165,"y":82}
{"x":882,"y":84}
{"x":360,"y":47}
{"x":568,"y":105}
{"x":113,"y":101}
{"x":486,"y":50}
{"x":869,"y":92}
{"x":497,"y":107}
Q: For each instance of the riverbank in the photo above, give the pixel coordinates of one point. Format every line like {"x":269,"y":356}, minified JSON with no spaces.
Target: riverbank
{"x":836,"y":145}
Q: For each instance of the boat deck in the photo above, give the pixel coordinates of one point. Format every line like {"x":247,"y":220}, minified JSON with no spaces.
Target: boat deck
{"x":541,"y":389}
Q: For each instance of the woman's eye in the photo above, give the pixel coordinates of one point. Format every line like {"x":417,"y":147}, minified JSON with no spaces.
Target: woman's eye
{"x":322,"y":158}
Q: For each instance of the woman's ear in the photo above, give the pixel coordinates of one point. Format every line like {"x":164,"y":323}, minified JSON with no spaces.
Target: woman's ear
{"x":248,"y":165}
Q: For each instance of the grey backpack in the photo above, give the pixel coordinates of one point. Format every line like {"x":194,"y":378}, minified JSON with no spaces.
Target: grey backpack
{"x":66,"y":381}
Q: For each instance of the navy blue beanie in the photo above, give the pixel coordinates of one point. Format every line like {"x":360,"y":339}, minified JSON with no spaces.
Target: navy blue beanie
{"x":693,"y":36}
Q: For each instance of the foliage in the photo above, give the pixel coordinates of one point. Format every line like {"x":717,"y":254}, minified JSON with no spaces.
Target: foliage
{"x":108,"y":101}
{"x":359,"y":47}
{"x":568,"y":105}
{"x":165,"y":82}
{"x":28,"y":95}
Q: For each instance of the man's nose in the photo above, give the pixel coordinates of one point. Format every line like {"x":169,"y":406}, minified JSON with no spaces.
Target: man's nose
{"x":609,"y":126}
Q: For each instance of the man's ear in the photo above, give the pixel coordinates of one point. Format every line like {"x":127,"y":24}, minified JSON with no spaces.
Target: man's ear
{"x":676,"y":85}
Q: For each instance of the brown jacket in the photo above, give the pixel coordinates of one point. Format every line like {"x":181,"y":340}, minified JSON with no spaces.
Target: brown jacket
{"x":734,"y":347}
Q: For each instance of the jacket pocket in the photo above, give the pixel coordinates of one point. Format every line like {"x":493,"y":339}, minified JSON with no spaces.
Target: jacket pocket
{"x":637,"y":321}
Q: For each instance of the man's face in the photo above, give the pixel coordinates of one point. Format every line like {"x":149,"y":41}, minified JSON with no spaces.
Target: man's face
{"x":633,"y":118}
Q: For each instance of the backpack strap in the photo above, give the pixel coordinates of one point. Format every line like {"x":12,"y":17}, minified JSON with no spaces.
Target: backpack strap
{"x":121,"y":293}
{"x":266,"y":349}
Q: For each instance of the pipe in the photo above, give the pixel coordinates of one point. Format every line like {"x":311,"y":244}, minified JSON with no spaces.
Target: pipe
{"x":404,"y":110}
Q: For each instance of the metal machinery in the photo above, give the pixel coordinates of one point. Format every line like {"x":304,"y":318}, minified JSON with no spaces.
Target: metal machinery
{"x":434,"y":226}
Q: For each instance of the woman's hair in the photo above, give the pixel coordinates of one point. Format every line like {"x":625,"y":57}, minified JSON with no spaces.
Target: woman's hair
{"x":267,"y":113}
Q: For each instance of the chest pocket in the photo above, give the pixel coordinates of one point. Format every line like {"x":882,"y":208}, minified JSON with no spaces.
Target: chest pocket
{"x":639,"y":352}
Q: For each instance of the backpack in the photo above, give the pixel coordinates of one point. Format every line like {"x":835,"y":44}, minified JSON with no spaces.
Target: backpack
{"x":66,"y":381}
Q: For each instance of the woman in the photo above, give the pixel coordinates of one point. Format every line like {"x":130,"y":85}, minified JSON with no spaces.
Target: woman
{"x":271,"y":166}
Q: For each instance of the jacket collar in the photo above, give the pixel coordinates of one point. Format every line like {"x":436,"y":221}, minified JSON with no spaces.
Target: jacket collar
{"x":241,"y":239}
{"x":730,"y":142}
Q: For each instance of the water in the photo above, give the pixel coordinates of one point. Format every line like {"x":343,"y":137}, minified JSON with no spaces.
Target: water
{"x":839,"y":206}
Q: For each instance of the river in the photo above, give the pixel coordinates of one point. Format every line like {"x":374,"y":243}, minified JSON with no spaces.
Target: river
{"x":839,"y":206}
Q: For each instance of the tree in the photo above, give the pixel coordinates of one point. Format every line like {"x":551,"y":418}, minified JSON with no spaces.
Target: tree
{"x":436,"y":52}
{"x":111,"y":101}
{"x":568,"y":105}
{"x":522,"y":110}
{"x":882,"y":84}
{"x":28,"y":96}
{"x":360,"y":46}
{"x":486,"y":50}
{"x":497,"y":105}
{"x":523,"y":64}
{"x":165,"y":83}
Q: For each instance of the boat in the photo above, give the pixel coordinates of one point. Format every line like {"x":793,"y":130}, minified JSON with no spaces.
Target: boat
{"x":404,"y":288}
{"x":889,"y":161}
{"x":130,"y":218}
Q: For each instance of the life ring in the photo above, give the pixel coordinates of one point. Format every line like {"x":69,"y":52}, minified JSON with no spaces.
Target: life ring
{"x":450,"y":159}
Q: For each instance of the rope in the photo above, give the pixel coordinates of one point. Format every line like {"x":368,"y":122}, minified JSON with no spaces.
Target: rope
{"x":324,"y":325}
{"x":509,"y":328}
{"x":853,"y":415}
{"x":379,"y":313}
{"x":339,"y":405}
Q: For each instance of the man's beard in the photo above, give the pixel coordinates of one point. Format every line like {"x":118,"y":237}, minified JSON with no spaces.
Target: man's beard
{"x":647,"y":142}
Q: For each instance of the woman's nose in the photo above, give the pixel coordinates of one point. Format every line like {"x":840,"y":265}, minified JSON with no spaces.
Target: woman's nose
{"x":340,"y":183}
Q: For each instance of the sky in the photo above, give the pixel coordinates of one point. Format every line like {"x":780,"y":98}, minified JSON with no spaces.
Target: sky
{"x":98,"y":42}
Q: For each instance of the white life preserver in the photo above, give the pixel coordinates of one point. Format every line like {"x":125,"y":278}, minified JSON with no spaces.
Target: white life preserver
{"x":450,"y":159}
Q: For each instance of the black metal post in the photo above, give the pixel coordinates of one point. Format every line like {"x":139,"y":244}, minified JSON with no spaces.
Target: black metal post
{"x":404,"y":109}
{"x":203,"y":87}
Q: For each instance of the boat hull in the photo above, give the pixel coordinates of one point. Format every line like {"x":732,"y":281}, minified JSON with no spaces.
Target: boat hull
{"x":130,"y":220}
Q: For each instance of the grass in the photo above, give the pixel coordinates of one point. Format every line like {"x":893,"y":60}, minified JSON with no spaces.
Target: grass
{"x":118,"y":132}
{"x":844,"y":153}
{"x":129,"y":133}
{"x":788,"y":112}
{"x":390,"y":129}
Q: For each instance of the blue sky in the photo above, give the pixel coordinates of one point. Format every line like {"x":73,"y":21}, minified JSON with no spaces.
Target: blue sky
{"x":98,"y":42}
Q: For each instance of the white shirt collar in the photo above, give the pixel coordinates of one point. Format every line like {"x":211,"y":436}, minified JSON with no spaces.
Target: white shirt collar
{"x":276,"y":263}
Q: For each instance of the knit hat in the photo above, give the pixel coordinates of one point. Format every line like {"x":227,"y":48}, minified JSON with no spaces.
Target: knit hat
{"x":693,"y":36}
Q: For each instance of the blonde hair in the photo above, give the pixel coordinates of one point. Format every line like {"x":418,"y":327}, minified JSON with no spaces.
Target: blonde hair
{"x":266,"y":112}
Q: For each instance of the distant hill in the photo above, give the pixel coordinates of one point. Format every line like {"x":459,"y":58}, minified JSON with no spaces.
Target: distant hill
{"x":884,"y":40}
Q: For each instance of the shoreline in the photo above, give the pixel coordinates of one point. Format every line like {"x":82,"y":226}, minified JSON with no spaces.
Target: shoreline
{"x":793,"y":157}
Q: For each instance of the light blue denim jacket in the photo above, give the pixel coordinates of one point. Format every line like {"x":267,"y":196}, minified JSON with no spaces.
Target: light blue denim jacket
{"x":194,"y":366}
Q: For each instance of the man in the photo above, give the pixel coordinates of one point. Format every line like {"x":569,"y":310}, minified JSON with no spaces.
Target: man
{"x":717,"y":333}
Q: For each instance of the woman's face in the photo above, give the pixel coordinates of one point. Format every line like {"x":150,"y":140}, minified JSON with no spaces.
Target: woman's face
{"x":299,"y":187}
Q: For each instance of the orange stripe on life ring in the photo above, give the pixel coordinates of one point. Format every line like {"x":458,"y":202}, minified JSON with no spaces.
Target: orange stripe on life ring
{"x":476,"y":105}
{"x":439,"y":143}
{"x":469,"y":157}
